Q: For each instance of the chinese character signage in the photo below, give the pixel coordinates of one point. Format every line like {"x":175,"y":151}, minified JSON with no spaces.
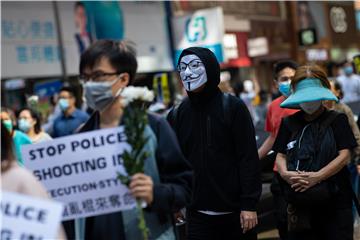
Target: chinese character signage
{"x":203,"y":28}
{"x":29,"y":40}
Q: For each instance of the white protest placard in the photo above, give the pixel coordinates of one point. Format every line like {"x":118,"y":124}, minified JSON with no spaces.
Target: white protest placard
{"x":81,"y":171}
{"x":25,"y":217}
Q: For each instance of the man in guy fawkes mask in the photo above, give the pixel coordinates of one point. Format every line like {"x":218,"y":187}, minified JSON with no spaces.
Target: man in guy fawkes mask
{"x":216,"y":135}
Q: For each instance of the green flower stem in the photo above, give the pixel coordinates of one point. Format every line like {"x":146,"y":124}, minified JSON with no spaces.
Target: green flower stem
{"x":142,"y":224}
{"x":135,"y":120}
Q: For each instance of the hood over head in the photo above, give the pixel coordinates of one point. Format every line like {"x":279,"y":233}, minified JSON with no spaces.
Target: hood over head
{"x":212,"y":67}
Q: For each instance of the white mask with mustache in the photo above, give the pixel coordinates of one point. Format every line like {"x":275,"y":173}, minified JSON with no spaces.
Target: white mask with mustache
{"x":192,"y":72}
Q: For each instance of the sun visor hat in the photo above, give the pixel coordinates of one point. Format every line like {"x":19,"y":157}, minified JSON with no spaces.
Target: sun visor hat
{"x":308,"y":90}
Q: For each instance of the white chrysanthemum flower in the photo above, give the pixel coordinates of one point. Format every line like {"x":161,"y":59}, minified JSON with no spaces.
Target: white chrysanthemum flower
{"x":148,"y":96}
{"x":33,"y":98}
{"x":131,"y":93}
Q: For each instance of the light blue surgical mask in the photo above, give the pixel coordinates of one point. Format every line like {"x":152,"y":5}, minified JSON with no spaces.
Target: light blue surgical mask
{"x":285,"y":88}
{"x":348,"y":70}
{"x":64,"y":104}
{"x":24,"y":125}
{"x":8,"y":125}
{"x":99,"y":95}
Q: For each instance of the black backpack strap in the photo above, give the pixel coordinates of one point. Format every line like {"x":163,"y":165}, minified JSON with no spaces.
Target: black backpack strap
{"x":226,"y":108}
{"x":173,"y":117}
{"x":175,"y":114}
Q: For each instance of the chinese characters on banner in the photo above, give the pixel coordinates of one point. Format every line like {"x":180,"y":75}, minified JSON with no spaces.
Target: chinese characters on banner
{"x":81,"y":171}
{"x":29,"y":40}
{"x":36,"y":29}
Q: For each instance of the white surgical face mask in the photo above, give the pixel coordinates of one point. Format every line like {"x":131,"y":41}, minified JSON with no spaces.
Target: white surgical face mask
{"x":192,"y":72}
{"x":310,"y":107}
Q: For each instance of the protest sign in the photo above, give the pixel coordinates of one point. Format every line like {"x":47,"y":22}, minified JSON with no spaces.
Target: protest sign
{"x":25,"y":217}
{"x":80,"y":171}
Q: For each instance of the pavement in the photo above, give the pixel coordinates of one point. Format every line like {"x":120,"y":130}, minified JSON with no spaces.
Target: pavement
{"x":269,"y":235}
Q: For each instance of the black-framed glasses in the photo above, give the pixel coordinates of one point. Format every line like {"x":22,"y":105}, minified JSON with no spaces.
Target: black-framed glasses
{"x":96,"y":76}
{"x":194,"y":64}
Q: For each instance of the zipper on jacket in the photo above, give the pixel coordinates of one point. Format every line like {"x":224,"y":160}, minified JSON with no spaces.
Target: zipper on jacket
{"x":208,"y":131}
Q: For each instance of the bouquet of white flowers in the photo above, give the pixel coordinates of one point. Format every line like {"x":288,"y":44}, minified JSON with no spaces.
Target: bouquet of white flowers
{"x":136,"y":100}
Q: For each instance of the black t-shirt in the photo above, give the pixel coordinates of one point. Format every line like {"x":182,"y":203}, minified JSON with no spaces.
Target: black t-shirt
{"x":344,"y":139}
{"x":343,"y":134}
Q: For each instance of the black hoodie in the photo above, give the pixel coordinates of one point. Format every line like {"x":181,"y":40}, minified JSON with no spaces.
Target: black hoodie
{"x":223,"y":153}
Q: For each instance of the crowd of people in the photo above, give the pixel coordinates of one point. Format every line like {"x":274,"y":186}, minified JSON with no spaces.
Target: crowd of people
{"x":205,"y":151}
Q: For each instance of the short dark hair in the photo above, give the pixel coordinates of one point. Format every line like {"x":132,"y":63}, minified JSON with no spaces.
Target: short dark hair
{"x":121,"y":55}
{"x":70,"y":90}
{"x":281,"y":65}
{"x":35,"y":115}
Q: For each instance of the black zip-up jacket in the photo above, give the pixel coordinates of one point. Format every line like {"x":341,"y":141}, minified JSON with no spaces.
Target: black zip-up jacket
{"x":219,"y":141}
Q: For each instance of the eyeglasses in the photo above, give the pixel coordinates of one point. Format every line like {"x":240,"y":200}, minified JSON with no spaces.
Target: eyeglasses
{"x":96,"y":76}
{"x":194,"y":64}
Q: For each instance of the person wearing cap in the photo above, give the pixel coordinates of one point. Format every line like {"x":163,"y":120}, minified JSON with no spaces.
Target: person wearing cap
{"x":216,"y":135}
{"x":331,"y":219}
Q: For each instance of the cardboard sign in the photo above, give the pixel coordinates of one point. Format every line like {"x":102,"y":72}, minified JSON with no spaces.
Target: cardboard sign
{"x":81,"y":171}
{"x":25,"y":217}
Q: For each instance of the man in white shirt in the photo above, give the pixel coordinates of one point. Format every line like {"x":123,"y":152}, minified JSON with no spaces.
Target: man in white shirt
{"x":350,"y":83}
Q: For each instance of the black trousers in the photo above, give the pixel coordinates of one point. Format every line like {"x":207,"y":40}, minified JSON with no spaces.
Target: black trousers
{"x":207,"y":227}
{"x":280,"y":208}
{"x":327,"y":224}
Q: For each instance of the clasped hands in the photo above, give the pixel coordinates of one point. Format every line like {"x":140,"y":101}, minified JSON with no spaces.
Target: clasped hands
{"x":302,"y":181}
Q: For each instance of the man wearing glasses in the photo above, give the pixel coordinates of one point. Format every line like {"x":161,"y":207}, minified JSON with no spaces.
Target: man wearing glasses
{"x":71,"y":117}
{"x":106,"y":68}
{"x":216,"y":135}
